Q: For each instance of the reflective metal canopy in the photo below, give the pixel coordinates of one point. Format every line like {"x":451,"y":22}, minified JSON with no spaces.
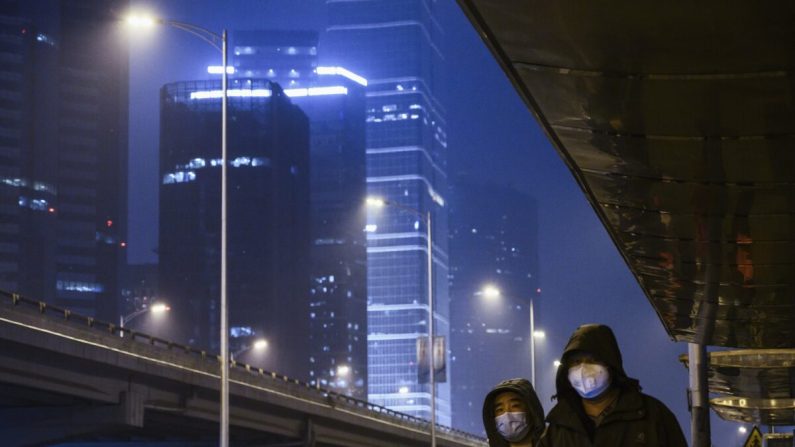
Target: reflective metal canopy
{"x":678,"y":122}
{"x":756,"y":385}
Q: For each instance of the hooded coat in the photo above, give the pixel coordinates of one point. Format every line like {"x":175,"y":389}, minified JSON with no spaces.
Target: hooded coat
{"x":535,"y":412}
{"x":636,"y":419}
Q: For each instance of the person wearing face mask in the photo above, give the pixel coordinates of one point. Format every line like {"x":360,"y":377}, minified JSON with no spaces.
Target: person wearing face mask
{"x":512,"y":415}
{"x":598,"y":405}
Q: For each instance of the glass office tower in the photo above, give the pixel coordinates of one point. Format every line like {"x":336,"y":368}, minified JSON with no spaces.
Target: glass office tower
{"x":396,"y":46}
{"x":63,"y":153}
{"x":337,"y":293}
{"x":268,"y":219}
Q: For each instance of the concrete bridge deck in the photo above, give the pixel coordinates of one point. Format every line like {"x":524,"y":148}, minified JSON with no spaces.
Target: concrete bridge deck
{"x":69,"y":377}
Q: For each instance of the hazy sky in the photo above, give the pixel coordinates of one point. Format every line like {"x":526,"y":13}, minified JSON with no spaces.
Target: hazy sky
{"x":491,"y":135}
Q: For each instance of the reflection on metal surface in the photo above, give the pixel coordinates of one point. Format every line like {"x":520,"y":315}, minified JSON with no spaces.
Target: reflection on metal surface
{"x":757,"y":385}
{"x":757,"y":411}
{"x":682,"y":135}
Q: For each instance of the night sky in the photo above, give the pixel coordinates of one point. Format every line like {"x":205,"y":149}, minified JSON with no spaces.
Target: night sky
{"x":492,"y":135}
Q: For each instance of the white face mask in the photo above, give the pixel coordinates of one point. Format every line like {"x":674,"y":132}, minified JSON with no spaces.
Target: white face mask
{"x":512,"y":426}
{"x":589,"y":379}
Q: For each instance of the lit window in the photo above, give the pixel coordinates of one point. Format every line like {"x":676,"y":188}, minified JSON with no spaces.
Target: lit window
{"x":179,"y":177}
{"x":241,"y":161}
{"x":241,"y":331}
{"x":197,"y":163}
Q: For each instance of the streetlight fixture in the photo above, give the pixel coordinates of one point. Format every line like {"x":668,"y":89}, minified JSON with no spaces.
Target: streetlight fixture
{"x":157,"y":308}
{"x":378,"y":202}
{"x":259,"y":345}
{"x":219,"y":42}
{"x":491,"y":292}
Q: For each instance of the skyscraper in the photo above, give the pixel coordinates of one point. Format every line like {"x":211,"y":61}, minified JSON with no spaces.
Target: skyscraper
{"x":337,"y":304}
{"x":63,"y":153}
{"x":396,"y":46}
{"x":494,"y":242}
{"x":268,"y":218}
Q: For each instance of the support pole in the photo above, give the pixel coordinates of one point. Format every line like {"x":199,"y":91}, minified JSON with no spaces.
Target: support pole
{"x":224,"y":305}
{"x":699,"y":397}
{"x":532,"y":346}
{"x":430,"y":331}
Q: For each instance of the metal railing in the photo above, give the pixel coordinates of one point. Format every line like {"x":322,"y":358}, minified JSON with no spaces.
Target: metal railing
{"x":331,"y":398}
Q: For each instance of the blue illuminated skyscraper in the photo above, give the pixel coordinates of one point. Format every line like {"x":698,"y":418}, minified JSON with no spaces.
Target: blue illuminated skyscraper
{"x":396,"y":46}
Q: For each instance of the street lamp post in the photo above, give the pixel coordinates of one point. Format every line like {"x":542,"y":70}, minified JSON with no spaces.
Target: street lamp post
{"x":155,"y":308}
{"x":490,"y":291}
{"x":257,"y":345}
{"x":429,"y":248}
{"x":218,"y":41}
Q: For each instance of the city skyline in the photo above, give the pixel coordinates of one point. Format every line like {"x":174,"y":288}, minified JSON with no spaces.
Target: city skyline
{"x":563,"y":247}
{"x":510,"y":148}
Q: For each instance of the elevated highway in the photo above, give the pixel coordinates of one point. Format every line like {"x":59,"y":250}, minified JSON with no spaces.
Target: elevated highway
{"x":68,"y":377}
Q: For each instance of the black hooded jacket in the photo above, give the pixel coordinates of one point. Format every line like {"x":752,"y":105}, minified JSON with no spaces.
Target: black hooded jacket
{"x":535,"y":416}
{"x":636,"y":419}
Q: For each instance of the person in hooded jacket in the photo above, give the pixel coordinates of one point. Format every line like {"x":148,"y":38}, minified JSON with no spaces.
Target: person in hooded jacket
{"x":512,"y":415}
{"x":598,"y":405}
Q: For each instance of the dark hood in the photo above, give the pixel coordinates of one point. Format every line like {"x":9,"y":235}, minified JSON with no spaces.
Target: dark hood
{"x":600,"y":341}
{"x":535,"y":417}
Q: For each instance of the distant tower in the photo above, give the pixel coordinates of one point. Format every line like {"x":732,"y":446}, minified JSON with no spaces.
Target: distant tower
{"x":337,"y":305}
{"x":268,"y":218}
{"x":397,"y":47}
{"x":493,"y":240}
{"x":63,"y":153}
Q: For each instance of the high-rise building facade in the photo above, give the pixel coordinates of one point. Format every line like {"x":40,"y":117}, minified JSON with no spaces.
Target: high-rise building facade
{"x":63,"y":153}
{"x":268,"y":218}
{"x":338,"y":289}
{"x":493,"y":243}
{"x":287,"y":57}
{"x":396,"y":46}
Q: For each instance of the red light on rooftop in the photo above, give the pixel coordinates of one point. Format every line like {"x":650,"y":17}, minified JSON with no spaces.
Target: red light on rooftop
{"x":109,"y":223}
{"x":123,"y":244}
{"x":51,"y":209}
